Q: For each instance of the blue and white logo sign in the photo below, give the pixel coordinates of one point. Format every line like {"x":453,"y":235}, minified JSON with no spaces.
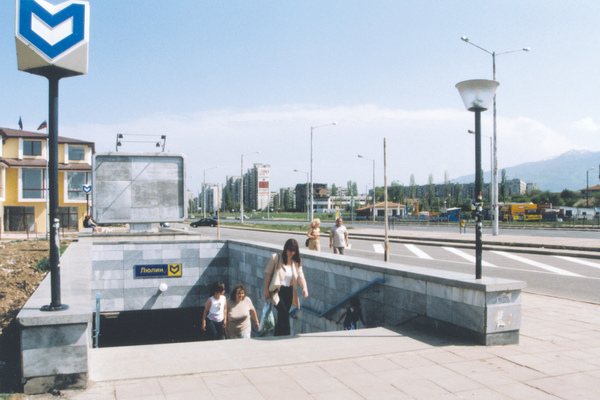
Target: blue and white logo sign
{"x":50,"y":35}
{"x":87,"y":189}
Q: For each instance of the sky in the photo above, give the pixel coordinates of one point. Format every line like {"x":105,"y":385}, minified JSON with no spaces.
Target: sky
{"x":231,"y":77}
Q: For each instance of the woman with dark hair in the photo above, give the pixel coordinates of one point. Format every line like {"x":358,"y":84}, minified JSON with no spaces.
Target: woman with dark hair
{"x":214,"y":319}
{"x":239,"y":311}
{"x":288,"y":267}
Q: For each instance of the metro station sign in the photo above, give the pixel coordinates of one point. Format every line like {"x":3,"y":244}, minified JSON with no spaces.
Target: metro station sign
{"x":52,"y":37}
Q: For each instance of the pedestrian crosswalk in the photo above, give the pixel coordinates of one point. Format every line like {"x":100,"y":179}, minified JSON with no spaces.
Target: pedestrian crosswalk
{"x":560,"y":265}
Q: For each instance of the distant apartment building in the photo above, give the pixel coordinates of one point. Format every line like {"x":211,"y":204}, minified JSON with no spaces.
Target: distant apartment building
{"x":516,"y":186}
{"x":257,"y":195}
{"x":287,"y":199}
{"x":320,"y":198}
{"x":24,"y":181}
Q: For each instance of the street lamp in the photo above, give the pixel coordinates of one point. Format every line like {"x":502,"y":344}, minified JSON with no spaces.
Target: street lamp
{"x":204,"y":192}
{"x":491,"y":163}
{"x":242,"y":186}
{"x":587,"y":184}
{"x":495,"y":154}
{"x":305,"y":194}
{"x":366,"y":158}
{"x":477,"y":95}
{"x":311,"y":194}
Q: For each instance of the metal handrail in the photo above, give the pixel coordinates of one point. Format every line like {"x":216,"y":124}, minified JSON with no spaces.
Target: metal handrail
{"x":362,"y":289}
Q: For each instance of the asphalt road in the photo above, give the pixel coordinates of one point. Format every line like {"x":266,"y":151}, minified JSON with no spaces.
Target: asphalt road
{"x":566,"y":277}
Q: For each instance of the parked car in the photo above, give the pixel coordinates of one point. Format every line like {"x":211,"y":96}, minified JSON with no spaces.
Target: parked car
{"x":165,"y":225}
{"x":204,"y":222}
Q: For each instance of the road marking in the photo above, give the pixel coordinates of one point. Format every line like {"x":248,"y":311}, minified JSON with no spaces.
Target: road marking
{"x":418,"y":252}
{"x":536,"y":264}
{"x":579,"y":261}
{"x":378,"y":248}
{"x":467,"y":257}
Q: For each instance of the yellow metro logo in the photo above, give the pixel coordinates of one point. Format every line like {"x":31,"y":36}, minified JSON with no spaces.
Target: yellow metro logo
{"x":174,"y":269}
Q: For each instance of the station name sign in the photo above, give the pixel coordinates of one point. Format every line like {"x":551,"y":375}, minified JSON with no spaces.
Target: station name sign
{"x":158,"y":271}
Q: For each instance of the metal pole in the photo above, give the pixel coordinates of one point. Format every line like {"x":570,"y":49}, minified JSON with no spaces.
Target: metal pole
{"x":374,"y":191}
{"x":495,"y":162}
{"x":478,"y":222}
{"x":385,"y":196}
{"x":55,"y":303}
{"x":204,"y":196}
{"x":310,"y":193}
{"x":242,"y":191}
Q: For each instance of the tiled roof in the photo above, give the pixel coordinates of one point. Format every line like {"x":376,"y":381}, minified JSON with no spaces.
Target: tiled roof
{"x":7,"y":133}
{"x":39,"y":163}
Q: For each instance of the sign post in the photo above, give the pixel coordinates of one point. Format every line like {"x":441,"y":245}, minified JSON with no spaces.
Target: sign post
{"x":52,"y":41}
{"x":87,"y":189}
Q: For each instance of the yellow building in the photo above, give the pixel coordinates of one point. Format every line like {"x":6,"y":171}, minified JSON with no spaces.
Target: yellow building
{"x":24,"y":181}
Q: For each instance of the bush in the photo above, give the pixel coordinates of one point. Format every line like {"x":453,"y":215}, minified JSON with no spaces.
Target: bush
{"x":44,"y":264}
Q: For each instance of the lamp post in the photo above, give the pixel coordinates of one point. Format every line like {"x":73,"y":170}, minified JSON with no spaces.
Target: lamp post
{"x":495,"y":153}
{"x":477,"y":94}
{"x":305,"y":194}
{"x":242,"y":186}
{"x":366,"y":158}
{"x":587,"y":185}
{"x":204,"y":192}
{"x":491,"y":163}
{"x":311,"y":194}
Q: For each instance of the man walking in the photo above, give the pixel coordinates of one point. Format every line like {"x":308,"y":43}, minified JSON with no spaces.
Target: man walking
{"x":338,"y":238}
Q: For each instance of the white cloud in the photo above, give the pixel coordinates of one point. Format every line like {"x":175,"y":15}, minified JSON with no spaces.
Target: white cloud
{"x":419,"y":142}
{"x":586,"y":125}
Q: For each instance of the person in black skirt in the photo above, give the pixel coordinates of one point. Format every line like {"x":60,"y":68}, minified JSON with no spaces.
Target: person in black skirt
{"x":288,"y":267}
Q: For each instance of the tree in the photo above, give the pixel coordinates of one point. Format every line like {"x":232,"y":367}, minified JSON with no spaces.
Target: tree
{"x":503,"y":186}
{"x":396,"y":193}
{"x":334,"y":189}
{"x":430,"y":191}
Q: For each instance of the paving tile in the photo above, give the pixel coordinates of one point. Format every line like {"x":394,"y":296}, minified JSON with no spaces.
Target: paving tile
{"x":183,"y":384}
{"x":381,"y":392}
{"x":421,"y":389}
{"x":520,"y":391}
{"x":482,"y":393}
{"x":343,"y":367}
{"x":345,"y":394}
{"x":142,"y":388}
{"x":326,"y":384}
{"x":282,"y":390}
{"x":246,"y":392}
{"x":368,"y":379}
{"x":410,"y":360}
{"x":217,"y":381}
{"x":376,"y":364}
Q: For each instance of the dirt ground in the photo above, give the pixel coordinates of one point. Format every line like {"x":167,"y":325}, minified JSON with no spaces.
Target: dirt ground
{"x":18,"y":278}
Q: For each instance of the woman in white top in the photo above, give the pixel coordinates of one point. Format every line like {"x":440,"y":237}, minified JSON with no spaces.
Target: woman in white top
{"x":314,"y":233}
{"x":288,"y":266}
{"x":214,"y":319}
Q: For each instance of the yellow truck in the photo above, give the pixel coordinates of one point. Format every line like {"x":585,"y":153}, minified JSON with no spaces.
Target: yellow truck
{"x":520,"y":212}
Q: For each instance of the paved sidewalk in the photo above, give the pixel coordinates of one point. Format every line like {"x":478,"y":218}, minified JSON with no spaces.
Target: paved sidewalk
{"x":558,"y":358}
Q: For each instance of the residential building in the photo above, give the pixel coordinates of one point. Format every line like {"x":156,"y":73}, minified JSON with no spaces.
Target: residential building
{"x":24,"y":181}
{"x":256,"y":187}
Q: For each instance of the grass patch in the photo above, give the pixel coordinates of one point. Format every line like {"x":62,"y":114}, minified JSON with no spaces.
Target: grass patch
{"x":44,"y":264}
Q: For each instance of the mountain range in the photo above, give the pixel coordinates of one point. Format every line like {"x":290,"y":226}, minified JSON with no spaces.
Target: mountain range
{"x":566,"y":171}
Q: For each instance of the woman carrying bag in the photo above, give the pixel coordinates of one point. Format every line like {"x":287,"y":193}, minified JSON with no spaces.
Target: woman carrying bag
{"x":285,"y":271}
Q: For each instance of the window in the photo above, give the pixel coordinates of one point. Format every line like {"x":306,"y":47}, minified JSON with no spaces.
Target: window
{"x":33,"y":183}
{"x":75,"y":183}
{"x":68,"y":217}
{"x":2,"y":181}
{"x":19,"y":219}
{"x":76,"y":153}
{"x":32,"y":148}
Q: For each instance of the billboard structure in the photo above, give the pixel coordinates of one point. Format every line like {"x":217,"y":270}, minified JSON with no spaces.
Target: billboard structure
{"x":138,"y":188}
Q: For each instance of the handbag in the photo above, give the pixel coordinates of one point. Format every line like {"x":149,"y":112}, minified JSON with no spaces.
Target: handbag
{"x":307,"y":240}
{"x":267,"y":321}
{"x":275,"y":283}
